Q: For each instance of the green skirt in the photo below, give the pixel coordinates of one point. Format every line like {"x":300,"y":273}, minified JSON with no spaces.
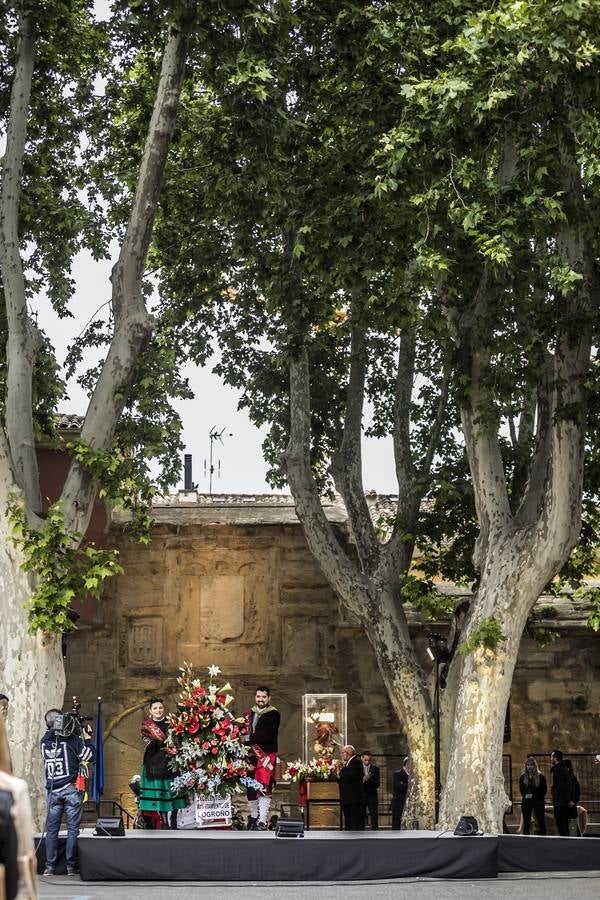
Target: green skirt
{"x":156,"y":795}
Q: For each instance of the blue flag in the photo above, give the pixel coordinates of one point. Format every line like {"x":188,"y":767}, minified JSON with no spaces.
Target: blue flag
{"x":97,"y":786}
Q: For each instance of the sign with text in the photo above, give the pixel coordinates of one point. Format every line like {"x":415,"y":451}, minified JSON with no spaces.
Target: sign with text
{"x":213,"y":812}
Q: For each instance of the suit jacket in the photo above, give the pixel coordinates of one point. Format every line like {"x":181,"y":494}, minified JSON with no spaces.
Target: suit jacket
{"x":351,"y":782}
{"x":400,"y":784}
{"x":266,"y":731}
{"x":370,"y":786}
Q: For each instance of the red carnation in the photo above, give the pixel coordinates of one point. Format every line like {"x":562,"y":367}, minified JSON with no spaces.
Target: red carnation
{"x":193,"y":727}
{"x":214,"y":751}
{"x":199,"y":692}
{"x":205,"y":745}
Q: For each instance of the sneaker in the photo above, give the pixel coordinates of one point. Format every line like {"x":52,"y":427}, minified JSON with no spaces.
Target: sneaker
{"x":251,"y":826}
{"x":72,"y":870}
{"x":262,"y":826}
{"x":48,"y":872}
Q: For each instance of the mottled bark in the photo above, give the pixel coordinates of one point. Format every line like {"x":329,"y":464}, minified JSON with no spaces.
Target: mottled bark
{"x":23,"y":339}
{"x":373,"y":599}
{"x":33,"y":673}
{"x":517,"y":555}
{"x":133,"y":324}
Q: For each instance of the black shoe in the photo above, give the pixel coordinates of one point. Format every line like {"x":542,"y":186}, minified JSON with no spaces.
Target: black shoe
{"x":251,"y":826}
{"x":72,"y":870}
{"x":262,"y":826}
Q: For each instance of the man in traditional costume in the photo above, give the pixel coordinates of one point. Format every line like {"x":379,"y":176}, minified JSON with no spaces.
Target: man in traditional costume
{"x":263,"y":729}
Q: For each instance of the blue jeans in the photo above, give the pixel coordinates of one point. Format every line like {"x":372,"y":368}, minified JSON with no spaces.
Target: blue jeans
{"x":70,"y":802}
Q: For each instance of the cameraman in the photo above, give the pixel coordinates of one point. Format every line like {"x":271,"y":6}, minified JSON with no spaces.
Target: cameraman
{"x":62,"y":754}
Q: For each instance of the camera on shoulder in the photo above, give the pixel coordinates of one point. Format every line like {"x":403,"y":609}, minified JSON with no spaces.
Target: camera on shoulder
{"x":65,"y":725}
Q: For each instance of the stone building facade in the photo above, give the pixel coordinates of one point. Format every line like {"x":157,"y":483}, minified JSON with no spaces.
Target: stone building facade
{"x":231,"y":581}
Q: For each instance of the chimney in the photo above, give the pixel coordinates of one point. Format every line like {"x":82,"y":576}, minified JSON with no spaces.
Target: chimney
{"x":188,"y":484}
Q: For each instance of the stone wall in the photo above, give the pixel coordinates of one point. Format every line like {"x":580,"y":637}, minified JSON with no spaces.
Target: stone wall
{"x":251,"y":599}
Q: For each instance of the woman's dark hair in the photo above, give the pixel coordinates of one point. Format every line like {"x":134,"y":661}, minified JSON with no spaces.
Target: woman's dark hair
{"x":558,"y":754}
{"x":155,"y":700}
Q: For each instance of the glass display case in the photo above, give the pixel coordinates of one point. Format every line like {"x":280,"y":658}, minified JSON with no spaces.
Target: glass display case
{"x":324,"y":725}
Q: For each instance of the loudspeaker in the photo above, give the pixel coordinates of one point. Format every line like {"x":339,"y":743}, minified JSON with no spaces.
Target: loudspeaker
{"x":289,"y":828}
{"x":467,"y":827}
{"x":110,"y":826}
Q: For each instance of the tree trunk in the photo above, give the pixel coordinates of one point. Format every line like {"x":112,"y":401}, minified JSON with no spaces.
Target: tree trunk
{"x":510,"y":585}
{"x":32,"y":673}
{"x":402,"y":675}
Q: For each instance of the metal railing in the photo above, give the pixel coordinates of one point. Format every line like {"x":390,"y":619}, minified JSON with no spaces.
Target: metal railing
{"x":588,"y":775}
{"x":91,"y":811}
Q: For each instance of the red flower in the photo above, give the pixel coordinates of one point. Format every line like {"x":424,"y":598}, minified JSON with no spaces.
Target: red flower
{"x":178,"y":728}
{"x":221,"y":698}
{"x":205,"y":745}
{"x":214,"y":751}
{"x":193,"y":727}
{"x":199,"y":692}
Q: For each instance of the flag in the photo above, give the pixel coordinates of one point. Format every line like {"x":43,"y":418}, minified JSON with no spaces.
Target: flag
{"x":97,"y":786}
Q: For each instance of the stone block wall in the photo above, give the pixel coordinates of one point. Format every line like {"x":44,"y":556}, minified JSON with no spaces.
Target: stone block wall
{"x":252,"y":599}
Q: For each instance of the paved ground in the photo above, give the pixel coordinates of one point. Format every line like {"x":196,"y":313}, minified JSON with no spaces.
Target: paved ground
{"x":563,"y":886}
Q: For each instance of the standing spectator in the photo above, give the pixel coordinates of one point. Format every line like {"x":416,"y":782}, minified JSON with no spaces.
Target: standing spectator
{"x":576,"y":811}
{"x":533,"y":787}
{"x":399,"y":792}
{"x":350,"y":780}
{"x":62,"y":756}
{"x":562,"y":792}
{"x":371,"y":781}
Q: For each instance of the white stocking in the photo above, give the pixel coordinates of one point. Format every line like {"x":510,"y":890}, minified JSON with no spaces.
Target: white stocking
{"x":253,"y":807}
{"x":263,"y":806}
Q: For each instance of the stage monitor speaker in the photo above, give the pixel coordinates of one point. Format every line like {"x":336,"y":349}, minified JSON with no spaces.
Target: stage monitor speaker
{"x":467,"y":827}
{"x":289,"y":828}
{"x":110,"y":826}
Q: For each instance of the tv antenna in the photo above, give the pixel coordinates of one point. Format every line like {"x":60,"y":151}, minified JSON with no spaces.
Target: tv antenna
{"x":214,"y":435}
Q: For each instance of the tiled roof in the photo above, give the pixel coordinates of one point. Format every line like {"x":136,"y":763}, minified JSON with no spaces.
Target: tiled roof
{"x":69,"y":422}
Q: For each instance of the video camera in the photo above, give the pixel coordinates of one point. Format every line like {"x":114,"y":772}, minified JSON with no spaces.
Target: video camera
{"x":69,"y":723}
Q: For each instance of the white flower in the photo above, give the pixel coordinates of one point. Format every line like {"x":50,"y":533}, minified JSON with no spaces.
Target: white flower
{"x":213,"y":671}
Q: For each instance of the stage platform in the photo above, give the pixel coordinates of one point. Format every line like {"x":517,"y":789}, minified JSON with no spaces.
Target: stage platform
{"x":324,"y":856}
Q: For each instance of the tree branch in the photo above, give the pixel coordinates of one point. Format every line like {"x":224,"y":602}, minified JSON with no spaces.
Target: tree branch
{"x":482,"y":444}
{"x":23,"y":340}
{"x":346,"y":465}
{"x":337,"y":567}
{"x":436,"y":428}
{"x":133,"y":324}
{"x":560,"y":522}
{"x":530,"y":499}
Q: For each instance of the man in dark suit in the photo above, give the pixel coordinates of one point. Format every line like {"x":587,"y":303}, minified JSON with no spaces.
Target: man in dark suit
{"x":399,"y":792}
{"x":350,"y":779}
{"x":371,"y":782}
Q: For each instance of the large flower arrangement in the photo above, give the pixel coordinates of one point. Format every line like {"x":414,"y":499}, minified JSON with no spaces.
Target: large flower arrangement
{"x":321,"y":768}
{"x":205,"y":739}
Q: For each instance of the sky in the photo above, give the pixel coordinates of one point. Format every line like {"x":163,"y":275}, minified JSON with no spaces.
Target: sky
{"x":242,"y":468}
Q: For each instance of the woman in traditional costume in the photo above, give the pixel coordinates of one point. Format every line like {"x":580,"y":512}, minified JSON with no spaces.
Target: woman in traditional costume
{"x":157,"y":803}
